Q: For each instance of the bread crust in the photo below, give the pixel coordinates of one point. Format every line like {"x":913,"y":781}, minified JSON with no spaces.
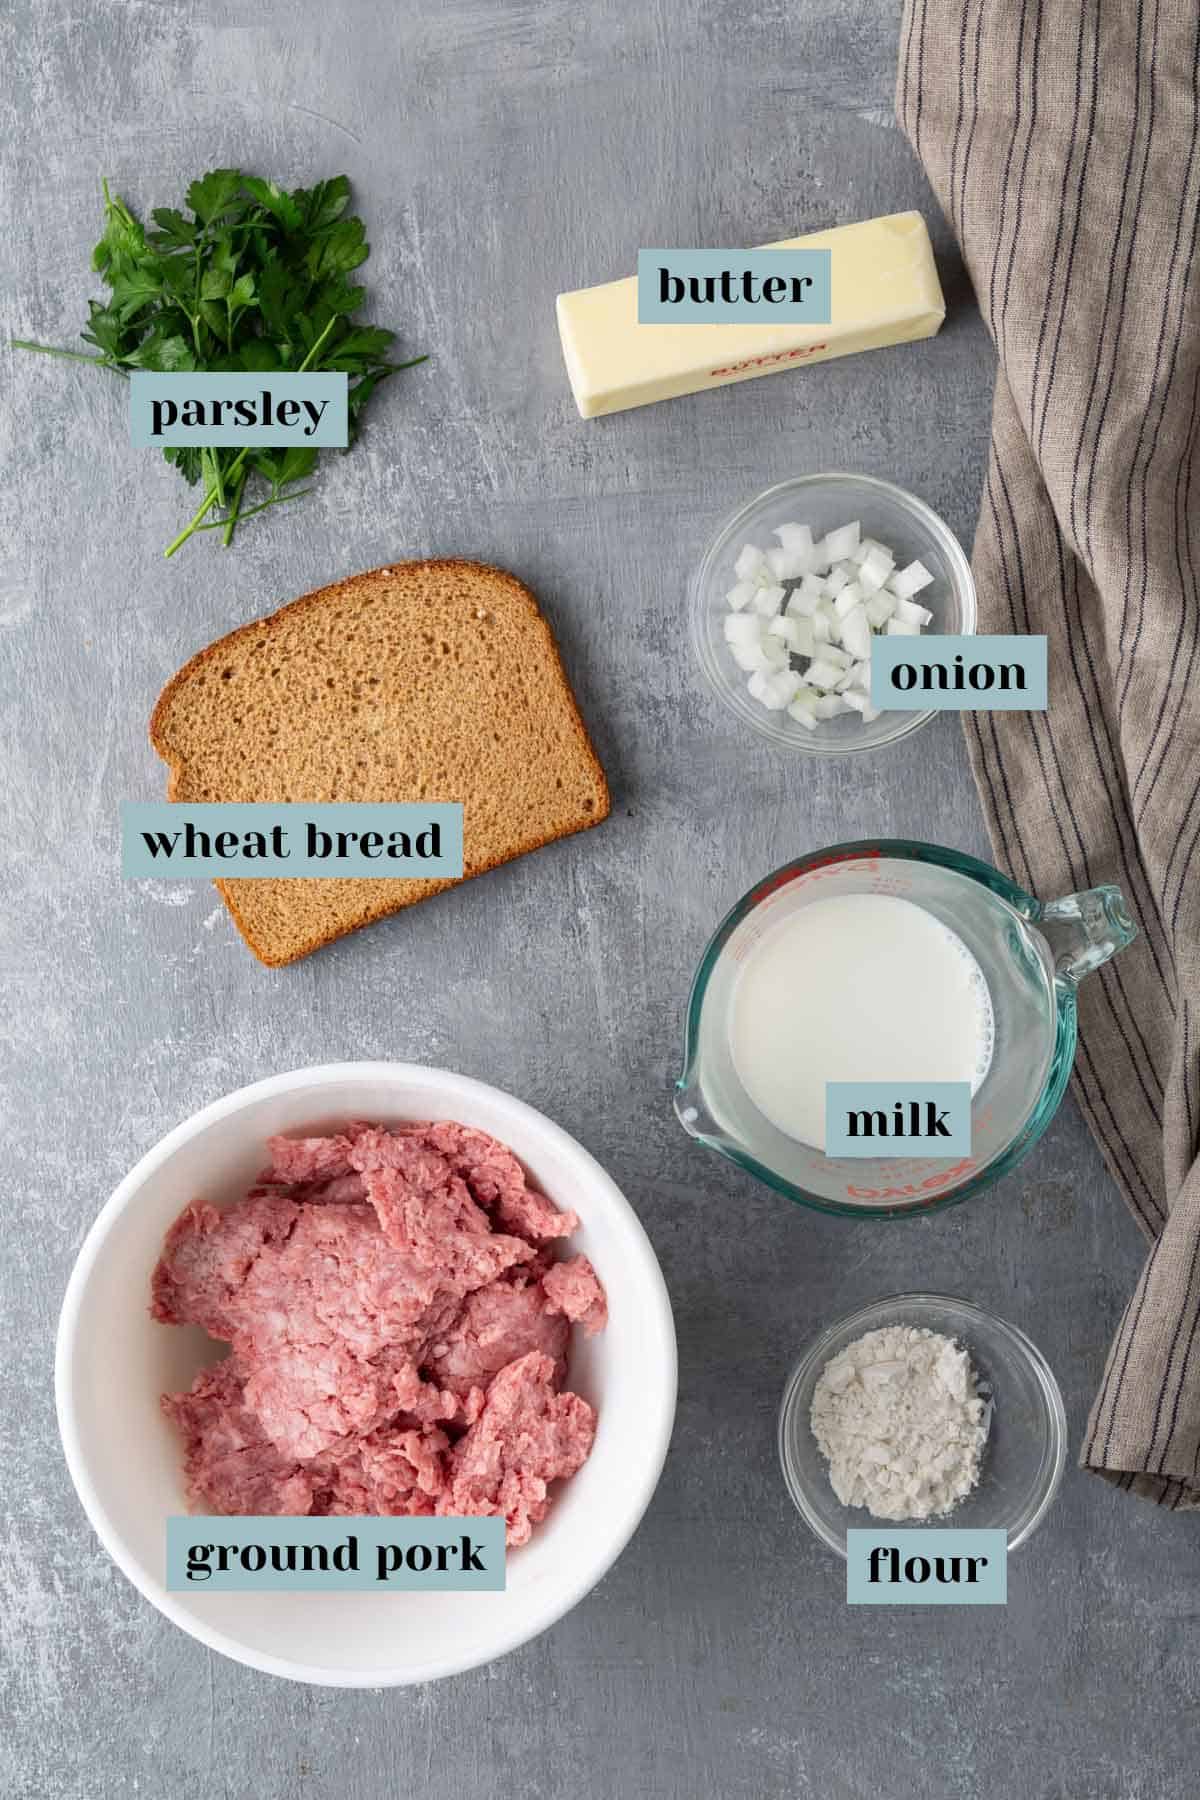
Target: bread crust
{"x":176,"y":759}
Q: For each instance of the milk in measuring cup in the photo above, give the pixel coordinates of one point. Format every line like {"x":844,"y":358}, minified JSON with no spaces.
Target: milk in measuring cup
{"x":857,"y":987}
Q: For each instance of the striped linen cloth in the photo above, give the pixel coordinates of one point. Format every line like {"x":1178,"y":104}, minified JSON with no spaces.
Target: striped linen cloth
{"x":1062,"y":140}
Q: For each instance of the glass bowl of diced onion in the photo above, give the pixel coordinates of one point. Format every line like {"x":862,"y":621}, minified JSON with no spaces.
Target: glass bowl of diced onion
{"x":796,"y":584}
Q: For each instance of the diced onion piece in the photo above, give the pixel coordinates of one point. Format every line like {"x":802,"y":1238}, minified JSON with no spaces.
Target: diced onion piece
{"x":786,"y":565}
{"x":902,"y":628}
{"x":821,"y":673}
{"x":804,"y":708}
{"x":767,"y":601}
{"x":910,"y":581}
{"x":861,"y":704}
{"x":911,"y":613}
{"x":834,"y":654}
{"x":742,"y":628}
{"x":750,"y":565}
{"x":795,"y":634}
{"x":836,"y":580}
{"x":875,"y":571}
{"x":822,"y":630}
{"x":841,"y":544}
{"x":858,"y":675}
{"x":774,"y":691}
{"x":850,"y":597}
{"x":786,"y":630}
{"x":769,"y":656}
{"x":880,"y":608}
{"x":741,"y":595}
{"x":813,"y":584}
{"x":801,"y":605}
{"x":797,"y":538}
{"x":865,"y":548}
{"x":804,"y":644}
{"x":830,"y":705}
{"x":856,"y":634}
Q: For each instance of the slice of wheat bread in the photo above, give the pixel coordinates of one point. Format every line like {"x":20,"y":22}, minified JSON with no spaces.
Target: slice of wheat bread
{"x":424,"y":681}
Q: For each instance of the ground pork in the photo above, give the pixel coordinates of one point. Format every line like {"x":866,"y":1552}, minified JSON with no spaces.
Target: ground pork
{"x":399,"y":1330}
{"x":574,"y":1289}
{"x":497,"y":1181}
{"x":527,"y":1435}
{"x":208,"y":1255}
{"x":397,"y":1471}
{"x":493,"y":1327}
{"x":230,"y":1464}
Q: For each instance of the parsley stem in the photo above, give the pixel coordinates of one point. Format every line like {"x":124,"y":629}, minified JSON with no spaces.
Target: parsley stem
{"x":235,"y":468}
{"x":263,"y":505}
{"x":53,"y":350}
{"x":210,"y":460}
{"x":235,"y":512}
{"x":311,"y":357}
{"x":239,"y":461}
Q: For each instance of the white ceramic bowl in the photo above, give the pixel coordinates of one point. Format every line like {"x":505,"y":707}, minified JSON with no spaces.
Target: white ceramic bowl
{"x":113,"y":1362}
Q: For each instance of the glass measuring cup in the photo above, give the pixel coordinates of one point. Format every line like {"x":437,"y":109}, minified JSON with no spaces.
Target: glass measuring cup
{"x":1032,"y":957}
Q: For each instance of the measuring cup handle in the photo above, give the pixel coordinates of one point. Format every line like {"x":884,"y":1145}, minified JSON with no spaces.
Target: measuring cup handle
{"x":1084,"y":930}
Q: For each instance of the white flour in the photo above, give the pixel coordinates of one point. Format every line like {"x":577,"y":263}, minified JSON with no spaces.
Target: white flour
{"x":900,"y":1421}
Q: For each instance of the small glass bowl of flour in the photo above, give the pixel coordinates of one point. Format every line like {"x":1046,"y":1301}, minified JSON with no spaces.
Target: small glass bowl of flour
{"x":922,"y":1410}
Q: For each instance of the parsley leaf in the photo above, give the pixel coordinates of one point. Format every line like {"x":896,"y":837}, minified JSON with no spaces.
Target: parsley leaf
{"x":282,"y":467}
{"x":285,"y":207}
{"x":173,"y":228}
{"x":214,"y":193}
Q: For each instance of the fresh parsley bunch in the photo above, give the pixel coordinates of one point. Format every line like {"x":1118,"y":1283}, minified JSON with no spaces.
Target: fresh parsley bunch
{"x":252,"y":279}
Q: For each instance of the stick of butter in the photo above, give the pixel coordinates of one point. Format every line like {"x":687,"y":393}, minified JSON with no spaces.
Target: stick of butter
{"x":884,"y":287}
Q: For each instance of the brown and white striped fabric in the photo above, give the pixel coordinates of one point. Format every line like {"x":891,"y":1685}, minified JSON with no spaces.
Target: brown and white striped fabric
{"x":1063,"y":140}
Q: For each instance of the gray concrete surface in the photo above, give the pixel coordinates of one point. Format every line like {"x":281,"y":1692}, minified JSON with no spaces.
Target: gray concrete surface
{"x":499,"y":153}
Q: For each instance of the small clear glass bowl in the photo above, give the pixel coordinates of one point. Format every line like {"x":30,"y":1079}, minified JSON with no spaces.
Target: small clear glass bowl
{"x":1026,"y":1449}
{"x":905,"y":524}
